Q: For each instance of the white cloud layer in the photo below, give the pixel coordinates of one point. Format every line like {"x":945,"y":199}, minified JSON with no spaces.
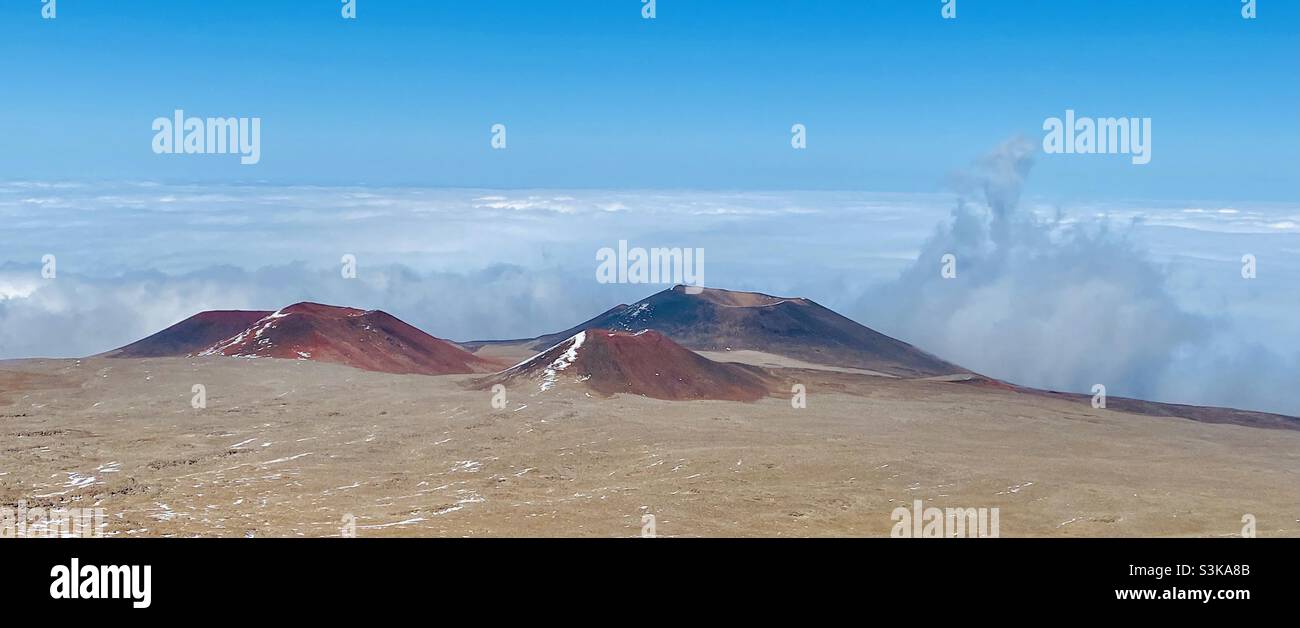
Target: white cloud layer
{"x":1145,"y":297}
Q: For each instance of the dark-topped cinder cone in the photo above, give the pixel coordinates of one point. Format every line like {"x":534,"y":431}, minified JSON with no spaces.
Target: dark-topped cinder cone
{"x":727,"y":320}
{"x":645,"y":363}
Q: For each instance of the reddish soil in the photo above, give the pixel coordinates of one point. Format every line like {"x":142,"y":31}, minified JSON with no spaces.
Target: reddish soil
{"x":646,"y":363}
{"x":369,"y":340}
{"x":191,"y":335}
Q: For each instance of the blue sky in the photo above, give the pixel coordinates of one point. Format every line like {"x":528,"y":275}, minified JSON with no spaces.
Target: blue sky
{"x":893,"y":96}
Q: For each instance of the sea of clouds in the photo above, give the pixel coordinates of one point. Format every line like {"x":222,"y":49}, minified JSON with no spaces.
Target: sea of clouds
{"x":1144,"y":297}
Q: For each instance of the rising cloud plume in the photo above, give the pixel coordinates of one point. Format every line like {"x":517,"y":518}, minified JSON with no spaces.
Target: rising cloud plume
{"x":1061,"y":303}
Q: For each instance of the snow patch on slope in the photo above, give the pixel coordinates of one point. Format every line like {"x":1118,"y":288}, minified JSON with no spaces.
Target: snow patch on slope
{"x":565,"y":360}
{"x":257,"y":330}
{"x":552,"y":371}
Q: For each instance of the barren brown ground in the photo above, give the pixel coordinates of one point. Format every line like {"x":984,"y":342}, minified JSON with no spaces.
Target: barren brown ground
{"x":289,"y":448}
